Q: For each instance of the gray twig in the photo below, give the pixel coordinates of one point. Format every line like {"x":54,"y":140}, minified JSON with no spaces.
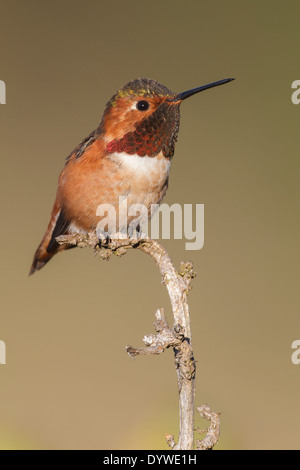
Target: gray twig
{"x":178,"y":337}
{"x":213,"y":432}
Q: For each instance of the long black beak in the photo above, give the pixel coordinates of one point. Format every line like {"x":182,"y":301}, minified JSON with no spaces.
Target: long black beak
{"x":185,"y":94}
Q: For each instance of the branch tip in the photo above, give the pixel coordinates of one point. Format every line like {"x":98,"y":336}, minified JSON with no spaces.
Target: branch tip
{"x":213,"y":432}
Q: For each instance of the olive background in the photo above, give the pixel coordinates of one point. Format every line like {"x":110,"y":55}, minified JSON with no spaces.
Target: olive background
{"x":68,"y":382}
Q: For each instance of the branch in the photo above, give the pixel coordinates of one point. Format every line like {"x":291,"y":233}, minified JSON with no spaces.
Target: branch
{"x":212,"y":433}
{"x":156,"y":344}
{"x":178,"y":337}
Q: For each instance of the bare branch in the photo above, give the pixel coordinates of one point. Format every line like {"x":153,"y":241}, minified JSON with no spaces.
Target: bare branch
{"x":178,"y":337}
{"x":156,"y":344}
{"x":213,"y":432}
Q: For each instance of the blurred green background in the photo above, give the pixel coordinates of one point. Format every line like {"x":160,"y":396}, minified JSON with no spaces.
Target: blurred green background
{"x":68,"y":382}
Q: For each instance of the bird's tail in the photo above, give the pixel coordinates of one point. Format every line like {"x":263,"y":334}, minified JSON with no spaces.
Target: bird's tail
{"x":48,"y":247}
{"x":41,"y":257}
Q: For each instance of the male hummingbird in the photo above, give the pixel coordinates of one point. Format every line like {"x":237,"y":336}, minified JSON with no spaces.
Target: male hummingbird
{"x":129,"y":155}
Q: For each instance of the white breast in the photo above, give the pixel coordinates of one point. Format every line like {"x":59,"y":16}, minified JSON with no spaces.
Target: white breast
{"x":155,"y":169}
{"x":144,"y":179}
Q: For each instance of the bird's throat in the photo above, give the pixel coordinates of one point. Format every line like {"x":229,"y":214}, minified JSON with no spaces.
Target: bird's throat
{"x":152,"y":135}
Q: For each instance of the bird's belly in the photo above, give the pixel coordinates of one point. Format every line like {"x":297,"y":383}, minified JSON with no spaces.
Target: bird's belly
{"x":124,"y":188}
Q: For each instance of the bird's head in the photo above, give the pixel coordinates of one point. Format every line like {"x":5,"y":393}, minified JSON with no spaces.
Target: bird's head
{"x":142,"y":118}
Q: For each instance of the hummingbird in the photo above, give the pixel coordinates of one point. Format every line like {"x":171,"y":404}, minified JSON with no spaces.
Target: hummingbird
{"x":129,"y":154}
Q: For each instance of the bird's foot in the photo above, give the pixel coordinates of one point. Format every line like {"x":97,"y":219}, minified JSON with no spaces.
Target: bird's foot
{"x":103,"y":238}
{"x":135,"y":233}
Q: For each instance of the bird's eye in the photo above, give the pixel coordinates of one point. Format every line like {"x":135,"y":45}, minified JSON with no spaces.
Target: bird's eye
{"x":142,"y":105}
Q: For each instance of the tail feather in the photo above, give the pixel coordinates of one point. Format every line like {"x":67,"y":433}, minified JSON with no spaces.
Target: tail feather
{"x":39,"y":261}
{"x":48,"y":247}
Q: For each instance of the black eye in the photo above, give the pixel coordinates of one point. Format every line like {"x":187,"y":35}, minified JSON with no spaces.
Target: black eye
{"x":142,"y":105}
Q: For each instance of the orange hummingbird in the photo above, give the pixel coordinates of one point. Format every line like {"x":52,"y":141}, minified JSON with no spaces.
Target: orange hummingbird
{"x":129,"y":154}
